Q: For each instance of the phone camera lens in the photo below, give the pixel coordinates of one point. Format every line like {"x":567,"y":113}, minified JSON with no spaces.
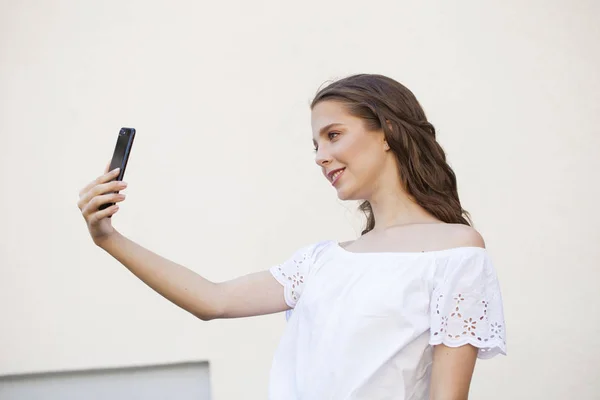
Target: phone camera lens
{"x":122,"y":132}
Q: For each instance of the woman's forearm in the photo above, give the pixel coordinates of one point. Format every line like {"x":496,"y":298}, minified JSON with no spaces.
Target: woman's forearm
{"x":178,"y":284}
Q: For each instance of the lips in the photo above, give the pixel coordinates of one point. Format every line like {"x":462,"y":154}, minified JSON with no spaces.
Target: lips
{"x":334,"y":175}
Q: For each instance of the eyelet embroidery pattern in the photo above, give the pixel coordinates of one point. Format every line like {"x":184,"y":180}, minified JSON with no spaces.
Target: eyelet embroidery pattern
{"x":456,"y":312}
{"x":470,"y":327}
{"x":437,"y":305}
{"x":295,"y":277}
{"x":461,"y":326}
{"x":443,"y":325}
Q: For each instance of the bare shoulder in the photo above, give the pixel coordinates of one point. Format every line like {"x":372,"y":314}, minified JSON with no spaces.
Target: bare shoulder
{"x":464,"y":236}
{"x":417,"y":238}
{"x":346,"y":243}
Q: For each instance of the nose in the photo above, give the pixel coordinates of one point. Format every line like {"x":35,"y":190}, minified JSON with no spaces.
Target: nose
{"x":322,"y":158}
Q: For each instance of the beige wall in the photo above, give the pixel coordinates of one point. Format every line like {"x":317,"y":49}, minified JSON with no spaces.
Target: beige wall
{"x":222,"y":177}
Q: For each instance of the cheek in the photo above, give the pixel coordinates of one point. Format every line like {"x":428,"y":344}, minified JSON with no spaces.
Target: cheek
{"x":348,"y":151}
{"x":363,"y":159}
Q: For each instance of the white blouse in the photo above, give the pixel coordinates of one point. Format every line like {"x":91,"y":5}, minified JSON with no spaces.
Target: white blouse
{"x":362,"y":325}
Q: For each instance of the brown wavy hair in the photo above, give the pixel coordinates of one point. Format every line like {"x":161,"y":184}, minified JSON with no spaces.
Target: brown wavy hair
{"x":383,"y":103}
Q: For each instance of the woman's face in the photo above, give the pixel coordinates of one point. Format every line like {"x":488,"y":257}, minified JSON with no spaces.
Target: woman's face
{"x":352,"y":158}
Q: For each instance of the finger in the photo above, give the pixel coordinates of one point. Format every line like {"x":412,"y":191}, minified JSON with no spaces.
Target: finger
{"x":94,"y":205}
{"x":98,"y":215}
{"x":100,"y":190}
{"x":107,"y":177}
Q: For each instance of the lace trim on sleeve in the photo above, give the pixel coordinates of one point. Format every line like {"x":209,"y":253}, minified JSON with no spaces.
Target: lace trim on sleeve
{"x":461,"y":319}
{"x":291,"y":274}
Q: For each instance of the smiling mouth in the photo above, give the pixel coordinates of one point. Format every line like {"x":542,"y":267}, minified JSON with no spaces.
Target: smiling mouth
{"x":336,"y":176}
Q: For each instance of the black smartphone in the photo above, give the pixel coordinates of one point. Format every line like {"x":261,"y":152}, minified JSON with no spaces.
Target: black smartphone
{"x":121,"y":155}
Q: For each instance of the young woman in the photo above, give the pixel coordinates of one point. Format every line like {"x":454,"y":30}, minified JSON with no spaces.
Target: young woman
{"x":402,"y":312}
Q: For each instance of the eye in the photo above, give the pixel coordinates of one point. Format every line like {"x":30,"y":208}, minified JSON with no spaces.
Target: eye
{"x":330,"y":136}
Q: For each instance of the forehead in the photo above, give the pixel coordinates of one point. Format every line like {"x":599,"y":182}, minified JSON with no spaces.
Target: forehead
{"x":330,"y":112}
{"x":326,"y":112}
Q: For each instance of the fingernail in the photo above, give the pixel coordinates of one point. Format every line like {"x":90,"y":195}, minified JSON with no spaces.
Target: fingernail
{"x":116,"y":169}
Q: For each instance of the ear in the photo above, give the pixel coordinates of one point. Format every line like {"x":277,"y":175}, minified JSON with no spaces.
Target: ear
{"x":385,"y":143}
{"x":389,"y":124}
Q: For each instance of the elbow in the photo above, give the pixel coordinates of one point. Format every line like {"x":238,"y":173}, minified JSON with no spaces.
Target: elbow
{"x":211,"y":309}
{"x":202,"y":317}
{"x":207,"y":315}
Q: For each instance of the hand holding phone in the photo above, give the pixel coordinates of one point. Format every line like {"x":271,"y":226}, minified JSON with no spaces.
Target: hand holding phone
{"x":121,"y":156}
{"x":98,"y":199}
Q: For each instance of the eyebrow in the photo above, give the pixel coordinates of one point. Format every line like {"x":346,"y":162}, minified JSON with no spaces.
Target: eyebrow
{"x":324,"y":129}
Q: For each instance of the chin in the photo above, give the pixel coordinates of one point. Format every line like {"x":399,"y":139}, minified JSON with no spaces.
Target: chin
{"x":346,"y":195}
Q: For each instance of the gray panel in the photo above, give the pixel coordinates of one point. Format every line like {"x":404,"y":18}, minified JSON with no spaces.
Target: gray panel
{"x":188,"y":381}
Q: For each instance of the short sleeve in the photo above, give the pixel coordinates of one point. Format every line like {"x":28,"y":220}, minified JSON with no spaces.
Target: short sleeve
{"x":466,"y":305}
{"x":293,"y":273}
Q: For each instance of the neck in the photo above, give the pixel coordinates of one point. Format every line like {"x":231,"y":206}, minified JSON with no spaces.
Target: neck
{"x":397,"y":208}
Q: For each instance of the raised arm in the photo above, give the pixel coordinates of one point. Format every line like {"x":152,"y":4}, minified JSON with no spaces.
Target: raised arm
{"x":254,"y":294}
